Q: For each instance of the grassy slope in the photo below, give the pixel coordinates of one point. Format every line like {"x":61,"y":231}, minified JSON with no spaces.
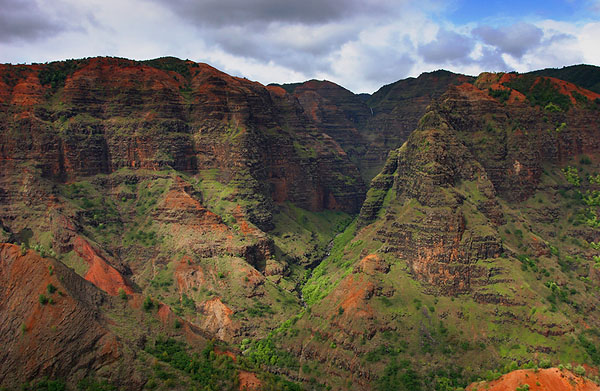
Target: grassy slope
{"x":546,"y":272}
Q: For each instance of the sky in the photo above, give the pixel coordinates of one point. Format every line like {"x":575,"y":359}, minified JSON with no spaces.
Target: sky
{"x":359,"y":44}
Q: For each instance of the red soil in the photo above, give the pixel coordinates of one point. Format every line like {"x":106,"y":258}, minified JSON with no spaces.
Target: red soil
{"x":280,"y":92}
{"x":39,"y":336}
{"x":354,"y":292}
{"x":568,"y":89}
{"x":245,"y":228}
{"x":551,"y":379}
{"x":188,"y":275}
{"x":473,"y":93}
{"x":100,"y":273}
{"x":178,"y":200}
{"x":217,"y":318}
{"x":249,"y":381}
{"x":372,"y":264}
{"x":227,"y":353}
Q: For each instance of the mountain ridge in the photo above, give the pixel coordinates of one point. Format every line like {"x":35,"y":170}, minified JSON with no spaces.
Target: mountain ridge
{"x":200,"y":206}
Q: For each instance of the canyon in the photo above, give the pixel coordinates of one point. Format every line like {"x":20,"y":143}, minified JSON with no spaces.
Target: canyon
{"x":165,"y":225}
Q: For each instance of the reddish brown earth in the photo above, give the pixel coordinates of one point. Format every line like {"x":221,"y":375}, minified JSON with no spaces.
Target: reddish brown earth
{"x":100,"y":273}
{"x":217,"y":319}
{"x":65,"y":338}
{"x":267,"y":146}
{"x":249,"y":381}
{"x":551,"y":379}
{"x":114,"y":113}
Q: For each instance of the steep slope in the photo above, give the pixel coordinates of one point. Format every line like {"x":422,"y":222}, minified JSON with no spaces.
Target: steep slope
{"x":368,"y":128}
{"x":586,"y":76}
{"x":396,"y":109}
{"x":476,"y":246}
{"x":138,"y":116}
{"x":172,"y":182}
{"x":337,"y":111}
{"x":51,"y":324}
{"x":177,"y":205}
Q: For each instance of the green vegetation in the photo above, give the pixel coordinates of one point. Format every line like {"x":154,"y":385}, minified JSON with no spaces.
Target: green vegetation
{"x":541,"y":92}
{"x":591,"y":348}
{"x":399,"y":376}
{"x":43,"y":299}
{"x":406,"y":311}
{"x":579,"y":370}
{"x":148,"y":304}
{"x":264,"y":352}
{"x":501,"y":95}
{"x":214,"y":372}
{"x":586,"y":76}
{"x":572,"y":175}
{"x":320,"y":284}
{"x":145,"y":238}
{"x":55,"y":73}
{"x":551,"y":107}
{"x":305,"y":152}
{"x":259,"y":309}
{"x":45,"y":385}
{"x":171,"y":64}
{"x":91,"y":384}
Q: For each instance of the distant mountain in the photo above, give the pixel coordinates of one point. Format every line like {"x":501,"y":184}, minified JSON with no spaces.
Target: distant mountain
{"x":164,"y":225}
{"x":586,"y":76}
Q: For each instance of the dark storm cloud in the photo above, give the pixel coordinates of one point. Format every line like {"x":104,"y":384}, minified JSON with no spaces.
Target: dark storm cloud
{"x":515,"y":40}
{"x":24,"y":20}
{"x":236,"y":12}
{"x":296,"y":47}
{"x":448,"y":47}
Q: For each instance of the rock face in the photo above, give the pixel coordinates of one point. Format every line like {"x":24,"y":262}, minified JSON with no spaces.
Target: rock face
{"x":437,"y":228}
{"x":468,"y":149}
{"x":115,"y":113}
{"x":462,"y":228}
{"x":397,"y":108}
{"x":50,"y":321}
{"x":514,"y":158}
{"x":178,"y":201}
{"x":337,"y":112}
{"x":367,"y":128}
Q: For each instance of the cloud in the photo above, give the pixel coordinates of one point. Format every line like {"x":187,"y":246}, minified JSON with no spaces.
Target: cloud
{"x":299,"y":47}
{"x":448,"y":47}
{"x":515,"y":40}
{"x":236,"y":12}
{"x":25,"y":20}
{"x":360,"y":44}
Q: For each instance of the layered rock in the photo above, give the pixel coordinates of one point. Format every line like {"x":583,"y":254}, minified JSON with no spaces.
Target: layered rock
{"x":396,"y":110}
{"x":50,"y":321}
{"x":433,"y":223}
{"x":115,"y":113}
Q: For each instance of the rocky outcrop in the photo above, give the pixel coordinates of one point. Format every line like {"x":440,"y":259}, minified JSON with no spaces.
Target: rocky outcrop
{"x":113,"y":113}
{"x":432,"y":222}
{"x":368,"y":127}
{"x":50,"y":322}
{"x":337,"y":112}
{"x":396,"y":111}
{"x":513,"y":141}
